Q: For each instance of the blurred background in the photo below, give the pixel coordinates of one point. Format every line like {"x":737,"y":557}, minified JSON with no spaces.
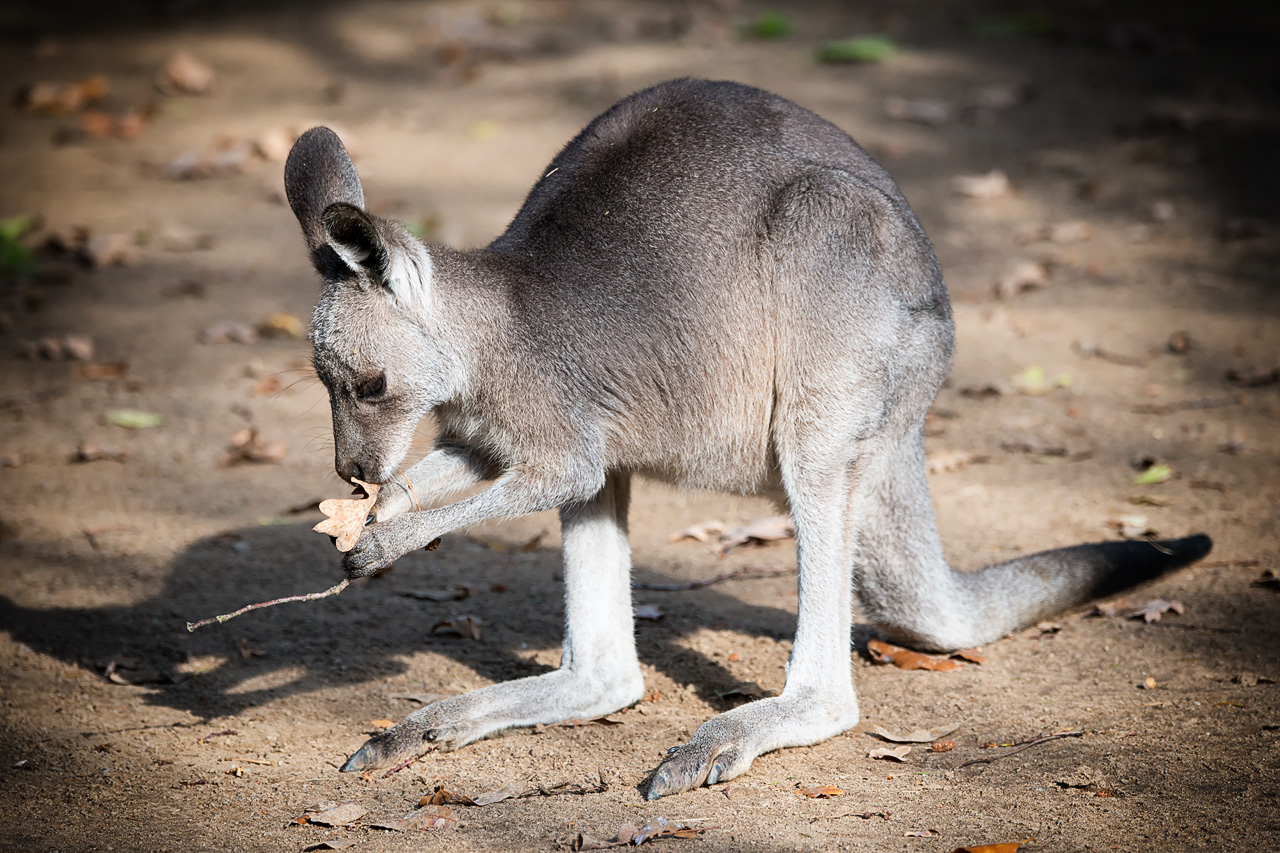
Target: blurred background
{"x":1102,"y":186}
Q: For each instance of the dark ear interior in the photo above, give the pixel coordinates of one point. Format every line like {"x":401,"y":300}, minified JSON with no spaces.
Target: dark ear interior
{"x":354,"y":237}
{"x":319,"y":173}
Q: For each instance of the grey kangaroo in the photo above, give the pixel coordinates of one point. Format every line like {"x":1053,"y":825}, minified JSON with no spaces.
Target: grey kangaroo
{"x":709,"y":286}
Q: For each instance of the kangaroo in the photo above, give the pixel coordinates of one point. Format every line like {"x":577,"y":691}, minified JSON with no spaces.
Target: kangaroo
{"x":709,"y":286}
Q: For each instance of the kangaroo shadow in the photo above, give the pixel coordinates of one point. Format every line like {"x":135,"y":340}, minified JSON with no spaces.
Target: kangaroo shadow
{"x":363,"y":636}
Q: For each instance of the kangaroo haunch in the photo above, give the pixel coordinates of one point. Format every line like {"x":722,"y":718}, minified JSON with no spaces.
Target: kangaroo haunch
{"x":709,"y":286}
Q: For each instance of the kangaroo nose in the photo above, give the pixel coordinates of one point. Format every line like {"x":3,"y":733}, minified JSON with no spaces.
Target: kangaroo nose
{"x":350,"y":469}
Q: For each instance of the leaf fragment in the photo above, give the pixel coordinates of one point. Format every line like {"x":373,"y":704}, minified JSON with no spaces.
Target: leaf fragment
{"x":247,"y":446}
{"x":984,"y":187}
{"x":882,"y":652}
{"x":1153,"y":610}
{"x":347,"y":516}
{"x":821,"y":792}
{"x":459,"y":626}
{"x":700,"y":532}
{"x":757,"y":532}
{"x":184,"y":74}
{"x":331,"y":814}
{"x":424,"y":818}
{"x":916,"y":735}
{"x":897,"y":753}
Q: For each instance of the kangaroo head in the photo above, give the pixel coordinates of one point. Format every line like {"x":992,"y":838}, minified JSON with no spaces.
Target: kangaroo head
{"x":374,"y":352}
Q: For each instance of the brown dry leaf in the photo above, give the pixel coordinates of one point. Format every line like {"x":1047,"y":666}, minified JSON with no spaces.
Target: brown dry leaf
{"x":646,"y":611}
{"x":110,"y":250}
{"x":248,"y":446}
{"x":273,"y":145}
{"x":103,"y":372}
{"x":99,"y":452}
{"x":1111,"y":608}
{"x":821,"y":792}
{"x":943,"y":746}
{"x":882,"y":652}
{"x":64,"y":348}
{"x":281,"y":325}
{"x":897,"y":753}
{"x":700,"y":532}
{"x":757,"y":532}
{"x":383,"y":724}
{"x":915,"y":736}
{"x":661,"y":827}
{"x":1131,"y":526}
{"x":982,"y":392}
{"x":1008,"y":847}
{"x":330,"y":814}
{"x":945,"y":461}
{"x":60,"y":98}
{"x":460,"y":626}
{"x":1021,"y":275}
{"x":424,"y":818}
{"x":347,"y":516}
{"x":506,"y":792}
{"x":183,"y":74}
{"x":444,"y":797}
{"x":993,"y":184}
{"x":1153,"y":610}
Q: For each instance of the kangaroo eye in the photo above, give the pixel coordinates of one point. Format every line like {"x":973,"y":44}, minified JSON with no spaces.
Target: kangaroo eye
{"x":370,"y":388}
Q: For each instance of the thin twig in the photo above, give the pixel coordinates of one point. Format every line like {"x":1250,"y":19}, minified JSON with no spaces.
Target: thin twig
{"x":311,"y":596}
{"x":744,"y":572}
{"x":402,"y":765}
{"x":1021,"y":747}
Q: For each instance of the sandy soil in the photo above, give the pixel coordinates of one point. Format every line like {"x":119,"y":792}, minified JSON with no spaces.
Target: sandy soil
{"x":1159,"y":133}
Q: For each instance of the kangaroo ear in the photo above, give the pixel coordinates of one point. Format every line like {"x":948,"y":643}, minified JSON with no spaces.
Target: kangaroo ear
{"x":317,"y":174}
{"x":354,"y":237}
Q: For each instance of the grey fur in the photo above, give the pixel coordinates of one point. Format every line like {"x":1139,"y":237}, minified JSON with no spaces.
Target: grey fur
{"x":710,"y":286}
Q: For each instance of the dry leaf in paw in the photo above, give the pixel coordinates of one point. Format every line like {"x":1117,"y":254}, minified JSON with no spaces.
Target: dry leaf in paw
{"x":347,"y":515}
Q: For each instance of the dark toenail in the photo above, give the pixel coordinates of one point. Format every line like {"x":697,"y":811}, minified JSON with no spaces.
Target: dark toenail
{"x":369,"y":519}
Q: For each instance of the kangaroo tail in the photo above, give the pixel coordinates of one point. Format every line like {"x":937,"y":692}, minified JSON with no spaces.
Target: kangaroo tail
{"x":909,"y":593}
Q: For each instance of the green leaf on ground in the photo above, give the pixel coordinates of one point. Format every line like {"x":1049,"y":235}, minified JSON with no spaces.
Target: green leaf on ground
{"x":134,"y":418}
{"x":859,"y":49}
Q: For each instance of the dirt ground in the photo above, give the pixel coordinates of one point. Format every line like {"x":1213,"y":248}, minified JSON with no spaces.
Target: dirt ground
{"x":1157,"y":132}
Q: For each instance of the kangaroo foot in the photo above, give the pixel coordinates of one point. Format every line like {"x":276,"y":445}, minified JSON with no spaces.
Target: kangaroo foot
{"x":724,"y":746}
{"x":459,"y":720}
